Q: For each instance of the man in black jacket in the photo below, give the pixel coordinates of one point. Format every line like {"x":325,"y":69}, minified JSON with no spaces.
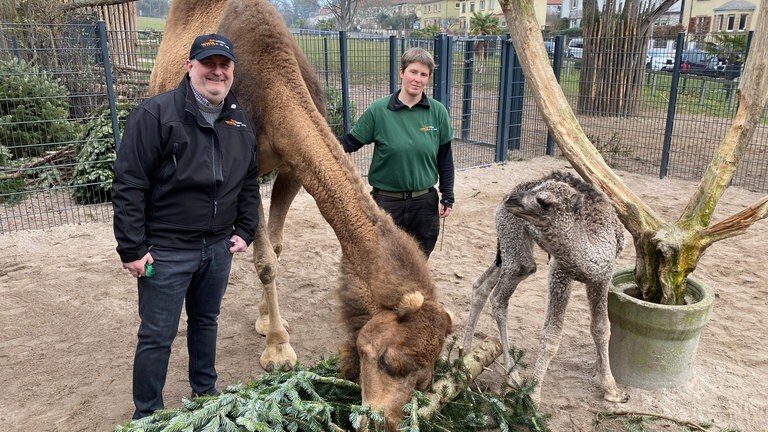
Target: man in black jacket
{"x":185,"y":198}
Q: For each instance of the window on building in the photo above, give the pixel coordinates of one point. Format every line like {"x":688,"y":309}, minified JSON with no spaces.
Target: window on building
{"x":482,"y":5}
{"x":457,"y":5}
{"x":743,"y":22}
{"x":471,"y":7}
{"x":492,"y":5}
{"x":719,"y":23}
{"x":731,"y":23}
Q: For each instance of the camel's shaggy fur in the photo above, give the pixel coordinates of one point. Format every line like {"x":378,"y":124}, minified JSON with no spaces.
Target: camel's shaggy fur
{"x":578,"y":227}
{"x":388,"y":300}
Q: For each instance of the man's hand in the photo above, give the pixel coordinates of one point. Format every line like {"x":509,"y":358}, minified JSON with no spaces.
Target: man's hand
{"x":136,"y":268}
{"x":238,"y":244}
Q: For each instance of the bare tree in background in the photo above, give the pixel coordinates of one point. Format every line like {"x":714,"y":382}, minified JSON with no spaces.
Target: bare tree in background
{"x":46,"y":11}
{"x":615,"y":45}
{"x":344,"y":11}
{"x":295,"y":10}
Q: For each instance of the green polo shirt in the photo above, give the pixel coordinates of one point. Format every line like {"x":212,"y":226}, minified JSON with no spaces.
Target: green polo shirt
{"x":407,"y":140}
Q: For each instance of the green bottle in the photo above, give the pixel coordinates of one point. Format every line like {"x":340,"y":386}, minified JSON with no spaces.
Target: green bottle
{"x":149,"y":270}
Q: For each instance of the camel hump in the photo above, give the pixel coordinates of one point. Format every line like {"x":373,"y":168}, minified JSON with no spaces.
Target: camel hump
{"x":410,"y":303}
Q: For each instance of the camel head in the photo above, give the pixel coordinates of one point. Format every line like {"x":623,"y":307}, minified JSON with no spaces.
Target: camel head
{"x":397,"y":350}
{"x":544,"y":204}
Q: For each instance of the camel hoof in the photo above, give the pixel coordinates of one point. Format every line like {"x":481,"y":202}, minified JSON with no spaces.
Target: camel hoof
{"x":280,"y":354}
{"x":617,"y":397}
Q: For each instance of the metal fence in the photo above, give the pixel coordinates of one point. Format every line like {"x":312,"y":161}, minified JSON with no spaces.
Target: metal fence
{"x":72,"y":86}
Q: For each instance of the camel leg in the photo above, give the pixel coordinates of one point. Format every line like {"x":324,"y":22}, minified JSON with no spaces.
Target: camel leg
{"x":481,"y":289}
{"x":284,"y":190}
{"x":515,"y":256}
{"x":600,"y":328}
{"x":557,"y":302}
{"x":509,"y":279}
{"x":278,"y":352}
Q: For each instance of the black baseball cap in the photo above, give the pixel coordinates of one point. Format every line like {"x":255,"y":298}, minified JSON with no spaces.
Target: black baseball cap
{"x":211,"y":44}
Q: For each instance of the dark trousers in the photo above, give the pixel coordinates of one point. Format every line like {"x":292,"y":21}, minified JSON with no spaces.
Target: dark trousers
{"x":198,"y":280}
{"x":418,"y":217}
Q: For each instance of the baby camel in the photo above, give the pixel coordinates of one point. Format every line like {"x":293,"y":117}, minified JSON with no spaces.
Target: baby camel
{"x":578,"y":227}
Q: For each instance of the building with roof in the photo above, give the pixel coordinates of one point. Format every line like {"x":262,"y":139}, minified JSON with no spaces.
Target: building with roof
{"x":719,"y":16}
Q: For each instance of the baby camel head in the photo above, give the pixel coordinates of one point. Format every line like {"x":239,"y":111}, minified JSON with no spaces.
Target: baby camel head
{"x":546,"y":203}
{"x":397,"y":350}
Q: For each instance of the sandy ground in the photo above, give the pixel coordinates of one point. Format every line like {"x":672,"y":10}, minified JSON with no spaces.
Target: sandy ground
{"x":68,"y":315}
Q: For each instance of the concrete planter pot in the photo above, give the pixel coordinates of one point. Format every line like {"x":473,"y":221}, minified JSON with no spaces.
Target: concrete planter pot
{"x":653,"y":346}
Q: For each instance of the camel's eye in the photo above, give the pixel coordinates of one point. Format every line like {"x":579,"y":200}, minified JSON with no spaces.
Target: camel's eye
{"x":382,"y":363}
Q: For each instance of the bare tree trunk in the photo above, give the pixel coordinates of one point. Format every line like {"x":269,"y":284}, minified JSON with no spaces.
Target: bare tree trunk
{"x":613,"y":60}
{"x":666,"y":252}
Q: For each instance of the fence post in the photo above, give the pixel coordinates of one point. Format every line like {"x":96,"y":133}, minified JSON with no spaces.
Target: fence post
{"x":344,"y":59}
{"x":393,"y":64}
{"x":441,"y":81}
{"x":557,"y":66}
{"x":102,"y":29}
{"x":466,"y":98}
{"x":671,"y":107}
{"x":505,"y":89}
{"x":325,"y":60}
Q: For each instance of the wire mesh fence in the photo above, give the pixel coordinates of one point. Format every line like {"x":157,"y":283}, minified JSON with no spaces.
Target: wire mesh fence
{"x":658,"y":109}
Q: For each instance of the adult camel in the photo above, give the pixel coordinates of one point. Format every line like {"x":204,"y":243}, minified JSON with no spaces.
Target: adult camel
{"x":388,"y":301}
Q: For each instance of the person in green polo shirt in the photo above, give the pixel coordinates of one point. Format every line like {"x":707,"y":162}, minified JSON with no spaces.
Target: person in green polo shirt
{"x":412,"y":151}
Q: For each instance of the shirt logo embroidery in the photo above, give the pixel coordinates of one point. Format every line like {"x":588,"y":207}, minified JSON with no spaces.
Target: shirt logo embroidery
{"x":234,"y":123}
{"x":426,"y":129}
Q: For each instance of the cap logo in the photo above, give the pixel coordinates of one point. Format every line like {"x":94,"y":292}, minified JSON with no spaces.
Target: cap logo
{"x":214,"y":42}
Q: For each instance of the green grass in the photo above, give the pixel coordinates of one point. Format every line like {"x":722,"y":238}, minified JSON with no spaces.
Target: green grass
{"x":150,"y":23}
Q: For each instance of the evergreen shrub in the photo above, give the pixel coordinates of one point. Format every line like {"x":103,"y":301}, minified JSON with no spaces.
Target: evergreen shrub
{"x":34,"y":116}
{"x":96,"y":154}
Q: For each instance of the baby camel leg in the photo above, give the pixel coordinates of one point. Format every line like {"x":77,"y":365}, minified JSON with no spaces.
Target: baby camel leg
{"x":481,"y":289}
{"x":512,"y":273}
{"x":557,"y":302}
{"x":600,"y":327}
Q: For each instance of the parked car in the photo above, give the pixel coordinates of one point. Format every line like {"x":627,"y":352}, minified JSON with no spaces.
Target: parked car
{"x":659,"y":59}
{"x":576,"y":48}
{"x":697,"y":62}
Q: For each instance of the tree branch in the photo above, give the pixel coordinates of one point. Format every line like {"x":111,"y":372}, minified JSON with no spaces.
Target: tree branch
{"x":663,"y":7}
{"x":736,"y":224}
{"x":444,"y":390}
{"x":685,"y":423}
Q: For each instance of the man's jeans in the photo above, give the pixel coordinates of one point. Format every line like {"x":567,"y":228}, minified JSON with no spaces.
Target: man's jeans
{"x":197,"y":279}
